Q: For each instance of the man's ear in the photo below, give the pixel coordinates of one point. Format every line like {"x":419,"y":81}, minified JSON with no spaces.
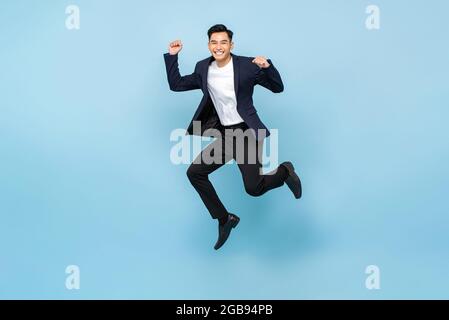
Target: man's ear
{"x":232,"y":45}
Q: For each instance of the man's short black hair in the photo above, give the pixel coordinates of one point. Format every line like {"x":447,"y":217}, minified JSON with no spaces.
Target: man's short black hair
{"x":220,"y":28}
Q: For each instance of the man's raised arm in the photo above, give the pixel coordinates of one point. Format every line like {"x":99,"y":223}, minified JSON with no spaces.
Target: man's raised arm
{"x":175,"y":80}
{"x":268,"y":76}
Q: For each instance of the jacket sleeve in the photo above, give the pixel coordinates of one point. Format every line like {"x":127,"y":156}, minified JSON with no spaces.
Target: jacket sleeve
{"x":270,"y":78}
{"x":175,"y":80}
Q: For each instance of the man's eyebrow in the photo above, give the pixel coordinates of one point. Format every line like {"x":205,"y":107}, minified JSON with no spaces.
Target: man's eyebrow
{"x":220,"y":41}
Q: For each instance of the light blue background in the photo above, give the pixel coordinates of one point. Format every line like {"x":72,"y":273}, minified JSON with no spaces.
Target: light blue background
{"x":86,"y":178}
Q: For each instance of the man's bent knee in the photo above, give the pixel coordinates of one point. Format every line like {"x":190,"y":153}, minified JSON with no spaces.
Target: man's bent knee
{"x":253,"y":190}
{"x":193,"y":173}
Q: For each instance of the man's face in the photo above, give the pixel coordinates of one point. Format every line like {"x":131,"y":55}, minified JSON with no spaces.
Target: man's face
{"x":220,"y":46}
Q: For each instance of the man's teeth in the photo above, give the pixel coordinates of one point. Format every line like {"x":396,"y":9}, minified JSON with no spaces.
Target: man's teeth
{"x":218,"y":52}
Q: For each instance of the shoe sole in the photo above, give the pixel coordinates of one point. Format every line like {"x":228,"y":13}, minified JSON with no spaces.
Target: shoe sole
{"x":236,"y":222}
{"x":296,"y":180}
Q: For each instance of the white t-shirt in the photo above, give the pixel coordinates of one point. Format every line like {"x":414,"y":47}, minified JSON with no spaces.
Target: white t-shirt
{"x":220,"y":84}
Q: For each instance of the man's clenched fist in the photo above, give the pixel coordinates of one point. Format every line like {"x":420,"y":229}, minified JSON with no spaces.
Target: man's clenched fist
{"x":174,"y":47}
{"x":261,"y":62}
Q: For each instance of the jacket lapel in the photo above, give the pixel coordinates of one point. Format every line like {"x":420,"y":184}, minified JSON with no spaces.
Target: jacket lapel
{"x":236,"y":65}
{"x":205,"y":71}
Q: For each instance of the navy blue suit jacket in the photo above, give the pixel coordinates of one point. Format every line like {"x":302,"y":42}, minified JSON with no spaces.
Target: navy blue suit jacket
{"x":246,"y":76}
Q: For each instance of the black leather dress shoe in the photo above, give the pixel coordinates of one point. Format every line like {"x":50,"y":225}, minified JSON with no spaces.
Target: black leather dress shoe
{"x":225,"y":229}
{"x":292,"y":180}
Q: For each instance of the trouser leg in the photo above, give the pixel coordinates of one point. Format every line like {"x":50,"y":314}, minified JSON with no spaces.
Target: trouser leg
{"x":198,"y":174}
{"x":250,"y":165}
